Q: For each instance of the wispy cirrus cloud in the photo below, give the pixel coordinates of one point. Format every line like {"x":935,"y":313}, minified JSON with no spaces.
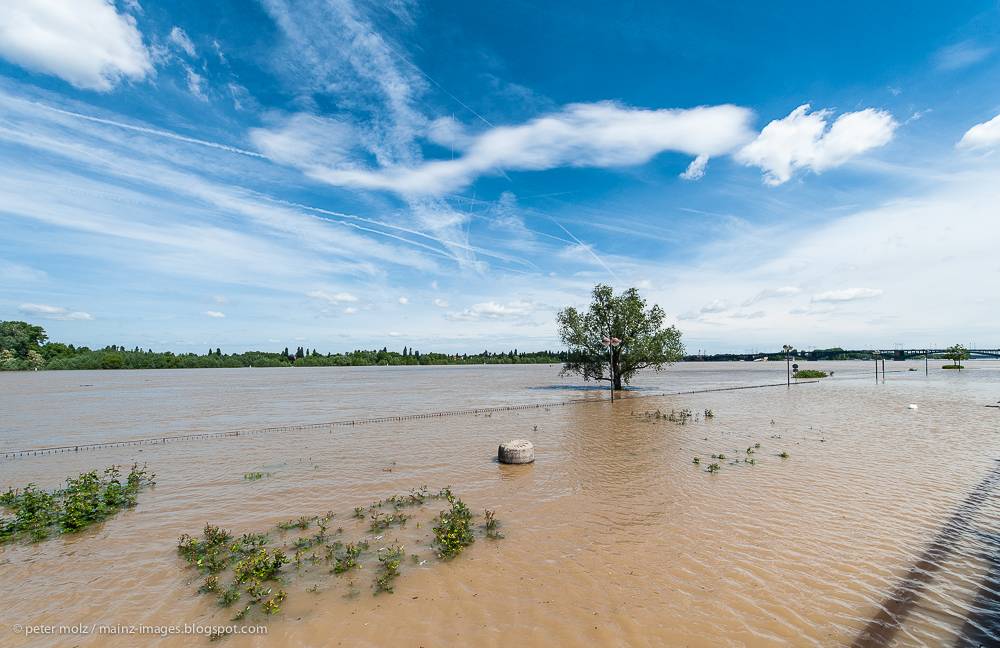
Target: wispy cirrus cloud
{"x":494,"y":311}
{"x":806,"y":141}
{"x":179,"y":38}
{"x":716,"y":306}
{"x":216,"y":314}
{"x":848,"y":294}
{"x":961,"y":55}
{"x":333,"y":298}
{"x":776,"y":293}
{"x":42,"y":311}
{"x":85,"y":42}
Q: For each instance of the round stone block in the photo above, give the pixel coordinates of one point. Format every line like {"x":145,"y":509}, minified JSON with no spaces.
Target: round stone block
{"x":518,"y":451}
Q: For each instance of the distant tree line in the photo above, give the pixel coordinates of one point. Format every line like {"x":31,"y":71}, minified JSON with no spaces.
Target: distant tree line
{"x":25,"y":347}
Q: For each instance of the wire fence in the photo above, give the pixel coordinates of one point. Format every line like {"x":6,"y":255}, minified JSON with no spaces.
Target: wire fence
{"x":35,"y":452}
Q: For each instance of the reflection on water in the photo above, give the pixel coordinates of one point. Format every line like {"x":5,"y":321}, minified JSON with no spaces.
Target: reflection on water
{"x":614,"y":535}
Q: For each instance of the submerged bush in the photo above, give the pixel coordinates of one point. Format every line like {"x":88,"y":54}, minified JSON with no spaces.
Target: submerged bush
{"x":86,"y":499}
{"x":453,"y":531}
{"x":810,"y":373}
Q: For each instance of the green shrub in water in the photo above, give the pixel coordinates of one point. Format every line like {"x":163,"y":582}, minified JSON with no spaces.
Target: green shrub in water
{"x":85,"y":500}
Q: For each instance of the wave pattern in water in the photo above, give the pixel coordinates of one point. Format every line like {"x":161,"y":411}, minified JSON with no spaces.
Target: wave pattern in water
{"x":614,"y":535}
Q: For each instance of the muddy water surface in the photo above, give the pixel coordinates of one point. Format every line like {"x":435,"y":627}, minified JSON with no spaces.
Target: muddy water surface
{"x":614,"y":536}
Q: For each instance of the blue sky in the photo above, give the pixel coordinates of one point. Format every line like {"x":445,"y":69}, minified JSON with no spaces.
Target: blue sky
{"x":447,"y":175}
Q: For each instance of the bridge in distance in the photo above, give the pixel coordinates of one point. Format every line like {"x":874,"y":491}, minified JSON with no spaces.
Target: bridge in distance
{"x":826,"y":354}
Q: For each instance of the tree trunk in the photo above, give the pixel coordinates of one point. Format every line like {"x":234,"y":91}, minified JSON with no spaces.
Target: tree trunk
{"x":616,"y":371}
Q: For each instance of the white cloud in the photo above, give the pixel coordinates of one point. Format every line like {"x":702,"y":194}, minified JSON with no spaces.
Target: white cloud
{"x":274,"y":341}
{"x":984,"y":135}
{"x":696,"y":169}
{"x":802,"y":141}
{"x":491,"y":310}
{"x":213,"y":314}
{"x":53,"y":313}
{"x":196,"y":84}
{"x":334,"y":298}
{"x":716,"y":306}
{"x":754,"y":315}
{"x":603,"y":135}
{"x":219,"y":299}
{"x":961,"y":55}
{"x":783,"y":292}
{"x":440,"y":303}
{"x":849,"y":294}
{"x":690,"y":315}
{"x":307,"y":142}
{"x":179,"y":38}
{"x":394,"y":334}
{"x":434,"y":284}
{"x":404,"y":301}
{"x":85,"y":42}
{"x":14,"y":273}
{"x":350,"y":311}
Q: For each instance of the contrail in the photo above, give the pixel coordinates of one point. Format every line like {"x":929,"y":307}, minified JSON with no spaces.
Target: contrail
{"x":587,"y":247}
{"x":153,"y":131}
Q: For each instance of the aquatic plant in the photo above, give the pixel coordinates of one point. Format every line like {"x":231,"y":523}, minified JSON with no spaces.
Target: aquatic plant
{"x":714,"y":467}
{"x":382,"y":521}
{"x":348,"y":559}
{"x":301,"y":523}
{"x":453,"y":531}
{"x":810,"y":373}
{"x":492,"y":525}
{"x":389,"y":570}
{"x":784,"y":455}
{"x":252,"y":566}
{"x":254,"y":476}
{"x":86,"y":499}
{"x":697,"y":461}
{"x":709,"y":414}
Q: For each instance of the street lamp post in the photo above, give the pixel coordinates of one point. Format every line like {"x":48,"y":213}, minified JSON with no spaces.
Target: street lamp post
{"x":610,"y":343}
{"x":788,"y":368}
{"x":877,"y":353}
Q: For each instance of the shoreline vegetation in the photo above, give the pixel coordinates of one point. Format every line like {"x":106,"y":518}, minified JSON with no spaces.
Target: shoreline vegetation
{"x":24,"y":347}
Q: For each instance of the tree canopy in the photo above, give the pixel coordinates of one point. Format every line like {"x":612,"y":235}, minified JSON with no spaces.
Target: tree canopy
{"x":645,"y":343}
{"x":957,"y":353}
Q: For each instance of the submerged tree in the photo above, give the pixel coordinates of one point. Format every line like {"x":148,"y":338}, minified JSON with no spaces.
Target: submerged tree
{"x":956,"y":354}
{"x":645,"y":343}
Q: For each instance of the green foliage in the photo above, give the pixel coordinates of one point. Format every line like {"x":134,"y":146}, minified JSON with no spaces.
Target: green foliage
{"x":348,"y":558}
{"x":22,"y":347}
{"x":251,"y":563}
{"x":389,"y":568}
{"x":810,"y":373}
{"x":453,"y":531}
{"x":112,"y":361}
{"x":492,"y":525}
{"x":956,"y":353}
{"x":85,"y":500}
{"x":645,"y":343}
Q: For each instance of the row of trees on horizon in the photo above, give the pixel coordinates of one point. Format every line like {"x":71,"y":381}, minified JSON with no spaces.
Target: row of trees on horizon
{"x":25,"y":347}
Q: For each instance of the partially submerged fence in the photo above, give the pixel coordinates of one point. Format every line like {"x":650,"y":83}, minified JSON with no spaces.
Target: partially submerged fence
{"x":34,"y":452}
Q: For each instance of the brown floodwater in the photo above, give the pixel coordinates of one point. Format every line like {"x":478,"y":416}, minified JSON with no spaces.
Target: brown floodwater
{"x":879,"y":529}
